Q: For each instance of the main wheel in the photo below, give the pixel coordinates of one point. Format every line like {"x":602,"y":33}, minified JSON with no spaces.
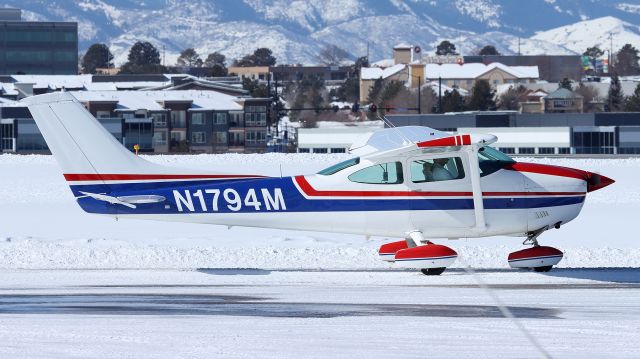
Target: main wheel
{"x":542,"y":269}
{"x":432,"y":271}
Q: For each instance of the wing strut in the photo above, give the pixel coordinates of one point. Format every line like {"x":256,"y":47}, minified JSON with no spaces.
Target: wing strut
{"x":478,"y":205}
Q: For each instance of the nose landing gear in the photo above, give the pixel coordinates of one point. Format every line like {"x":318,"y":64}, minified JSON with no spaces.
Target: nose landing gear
{"x":539,"y":258}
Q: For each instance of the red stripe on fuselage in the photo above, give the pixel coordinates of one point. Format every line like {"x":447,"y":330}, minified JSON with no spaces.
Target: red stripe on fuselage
{"x":312,"y":192}
{"x":144,"y":177}
{"x":548,"y":170}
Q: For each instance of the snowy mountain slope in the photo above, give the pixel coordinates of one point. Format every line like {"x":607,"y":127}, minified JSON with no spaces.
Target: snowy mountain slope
{"x":578,"y":37}
{"x":296,"y":30}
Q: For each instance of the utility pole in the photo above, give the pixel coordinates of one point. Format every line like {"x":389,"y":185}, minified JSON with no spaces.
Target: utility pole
{"x":519,"y":53}
{"x":419,"y":97}
{"x":439,"y":94}
{"x":610,"y":51}
{"x":163,"y":57}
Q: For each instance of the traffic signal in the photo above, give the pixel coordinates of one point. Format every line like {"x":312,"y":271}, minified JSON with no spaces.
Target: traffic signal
{"x":373,"y":108}
{"x":355,"y":107}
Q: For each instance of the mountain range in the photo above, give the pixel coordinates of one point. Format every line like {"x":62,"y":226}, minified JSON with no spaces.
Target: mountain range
{"x":297,"y":30}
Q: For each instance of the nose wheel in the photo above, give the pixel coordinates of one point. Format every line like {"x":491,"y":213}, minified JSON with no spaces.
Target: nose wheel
{"x":539,"y":258}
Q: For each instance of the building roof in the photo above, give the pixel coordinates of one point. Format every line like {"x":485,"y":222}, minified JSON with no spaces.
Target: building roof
{"x":150,"y":100}
{"x":475,"y":70}
{"x":402,"y":46}
{"x":563,"y":93}
{"x":374,"y":73}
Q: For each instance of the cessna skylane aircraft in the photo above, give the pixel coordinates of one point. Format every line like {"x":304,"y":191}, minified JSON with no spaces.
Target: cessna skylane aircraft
{"x":415,"y":183}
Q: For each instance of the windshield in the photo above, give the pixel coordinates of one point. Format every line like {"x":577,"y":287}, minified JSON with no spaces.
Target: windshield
{"x":339,"y":166}
{"x":491,"y":160}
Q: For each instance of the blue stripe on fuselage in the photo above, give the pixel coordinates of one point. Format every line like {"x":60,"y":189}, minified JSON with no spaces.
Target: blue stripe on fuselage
{"x":293,"y":199}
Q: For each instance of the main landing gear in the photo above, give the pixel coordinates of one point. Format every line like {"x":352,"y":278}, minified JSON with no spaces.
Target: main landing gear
{"x":432,"y":258}
{"x":539,"y":258}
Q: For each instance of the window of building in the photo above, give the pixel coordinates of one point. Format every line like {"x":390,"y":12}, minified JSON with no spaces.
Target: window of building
{"x":221,"y":118}
{"x":177,"y":136}
{"x":221,"y":138}
{"x":255,"y":119}
{"x":546,"y":150}
{"x":198,"y":137}
{"x":526,"y":150}
{"x":303,"y":150}
{"x":160,"y":138}
{"x":236,"y":119}
{"x":382,"y":173}
{"x":179,"y":119}
{"x":197,"y":118}
{"x":159,"y":119}
{"x":64,"y":56}
{"x":507,"y":150}
{"x":436,"y":169}
{"x":564,"y":150}
{"x":103,"y":114}
{"x":338,"y":150}
{"x":254,"y":137}
{"x":320,"y":150}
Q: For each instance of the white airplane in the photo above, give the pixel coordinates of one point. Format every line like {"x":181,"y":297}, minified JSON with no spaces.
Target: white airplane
{"x":414,"y":183}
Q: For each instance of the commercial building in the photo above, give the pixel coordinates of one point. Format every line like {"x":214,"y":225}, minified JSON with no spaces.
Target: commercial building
{"x":330,"y":140}
{"x":286,"y":73}
{"x":33,"y":47}
{"x":552,"y":68}
{"x":542,"y":133}
{"x":158,"y":121}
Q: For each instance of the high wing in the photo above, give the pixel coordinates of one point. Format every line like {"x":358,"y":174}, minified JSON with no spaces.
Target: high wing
{"x":398,"y":140}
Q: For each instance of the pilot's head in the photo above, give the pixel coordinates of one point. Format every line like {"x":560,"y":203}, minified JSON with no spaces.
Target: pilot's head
{"x":441,"y":161}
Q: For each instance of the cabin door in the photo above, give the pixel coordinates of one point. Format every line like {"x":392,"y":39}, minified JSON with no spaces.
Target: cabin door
{"x":442,"y":200}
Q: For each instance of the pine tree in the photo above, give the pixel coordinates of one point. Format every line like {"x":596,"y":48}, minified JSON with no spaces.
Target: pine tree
{"x":566,"y":84}
{"x":615,"y":98}
{"x":261,"y":57}
{"x":189,"y":57}
{"x":452,"y":101}
{"x":143,"y":58}
{"x":488,"y":50}
{"x":482,"y":97}
{"x":216,"y":62}
{"x":633,"y":102}
{"x":627,"y":61}
{"x":446,"y":48}
{"x":98,"y":55}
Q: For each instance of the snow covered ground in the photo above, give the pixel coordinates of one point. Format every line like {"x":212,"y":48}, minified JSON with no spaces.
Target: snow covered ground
{"x":570,"y":313}
{"x":42,"y":227}
{"x":74,"y":285}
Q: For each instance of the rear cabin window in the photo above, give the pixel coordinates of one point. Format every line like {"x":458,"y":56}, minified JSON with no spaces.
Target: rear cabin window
{"x":339,"y":166}
{"x":382,"y":173}
{"x":436,"y":169}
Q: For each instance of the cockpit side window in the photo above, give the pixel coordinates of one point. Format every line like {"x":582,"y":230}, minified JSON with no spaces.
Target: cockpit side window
{"x":381,"y":173}
{"x":491,"y":160}
{"x":436,"y":169}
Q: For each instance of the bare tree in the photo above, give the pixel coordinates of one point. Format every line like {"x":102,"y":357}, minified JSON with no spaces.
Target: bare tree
{"x":332,"y":55}
{"x":510,"y":99}
{"x":589,"y":97}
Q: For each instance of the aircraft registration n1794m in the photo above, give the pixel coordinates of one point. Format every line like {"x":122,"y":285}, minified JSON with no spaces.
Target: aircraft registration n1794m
{"x":415,"y":183}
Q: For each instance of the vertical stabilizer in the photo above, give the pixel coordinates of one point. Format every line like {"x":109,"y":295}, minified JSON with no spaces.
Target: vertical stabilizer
{"x":79,"y":142}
